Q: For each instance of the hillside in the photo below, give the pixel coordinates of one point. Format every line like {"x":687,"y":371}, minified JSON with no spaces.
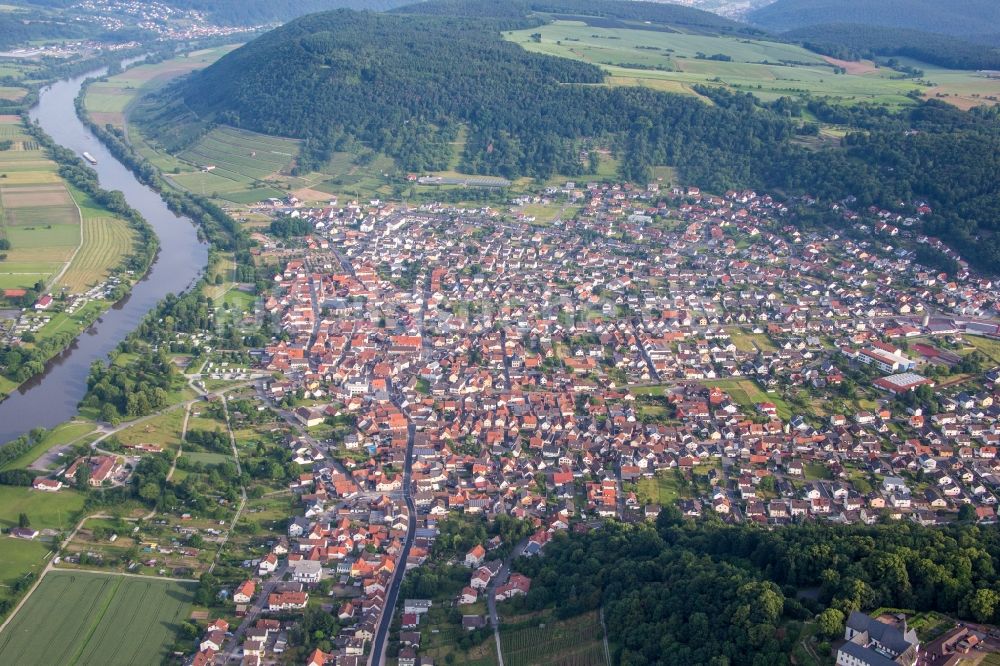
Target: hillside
{"x":849,"y":41}
{"x":404,"y":85}
{"x":955,"y":17}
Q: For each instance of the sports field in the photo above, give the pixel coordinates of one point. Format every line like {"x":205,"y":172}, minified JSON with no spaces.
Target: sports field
{"x":676,"y":61}
{"x":93,"y":618}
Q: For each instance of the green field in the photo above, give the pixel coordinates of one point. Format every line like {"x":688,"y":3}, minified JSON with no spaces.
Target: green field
{"x":61,"y":434}
{"x":92,"y":618}
{"x":573,"y":642}
{"x":675,"y":62}
{"x":663,"y":489}
{"x":45,"y":510}
{"x":747,"y":393}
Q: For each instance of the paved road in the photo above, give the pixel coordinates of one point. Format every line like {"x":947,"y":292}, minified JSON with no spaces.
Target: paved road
{"x":491,"y":602}
{"x":377,"y":655}
{"x":235,"y":642}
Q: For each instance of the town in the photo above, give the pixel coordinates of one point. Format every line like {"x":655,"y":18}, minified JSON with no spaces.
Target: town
{"x":655,"y":351}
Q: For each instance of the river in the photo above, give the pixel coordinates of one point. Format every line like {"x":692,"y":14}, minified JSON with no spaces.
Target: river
{"x":52,"y":397}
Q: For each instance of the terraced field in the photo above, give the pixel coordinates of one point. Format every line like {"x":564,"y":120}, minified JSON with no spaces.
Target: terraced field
{"x":573,"y":642}
{"x":234,"y":162}
{"x":93,"y":618}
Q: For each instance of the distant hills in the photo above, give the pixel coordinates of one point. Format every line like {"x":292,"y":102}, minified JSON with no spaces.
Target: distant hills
{"x":962,"y":18}
{"x":247,"y":12}
{"x":408,"y":83}
{"x":853,"y":41}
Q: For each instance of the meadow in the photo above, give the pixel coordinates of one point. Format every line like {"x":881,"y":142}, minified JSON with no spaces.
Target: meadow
{"x":677,"y":61}
{"x":573,"y":642}
{"x":54,"y":511}
{"x":746,"y":393}
{"x":97,"y":618}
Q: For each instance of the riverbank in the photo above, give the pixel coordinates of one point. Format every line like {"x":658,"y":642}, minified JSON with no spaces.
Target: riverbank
{"x":53,"y":396}
{"x":71,"y":249}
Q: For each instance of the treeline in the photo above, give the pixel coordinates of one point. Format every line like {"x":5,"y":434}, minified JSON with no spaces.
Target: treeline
{"x":847,"y":41}
{"x":685,"y":593}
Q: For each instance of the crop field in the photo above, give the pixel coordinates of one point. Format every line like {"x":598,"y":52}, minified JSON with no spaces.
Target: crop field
{"x":676,"y":61}
{"x":106,"y":241}
{"x":37,"y":212}
{"x":574,"y":642}
{"x":97,"y":619}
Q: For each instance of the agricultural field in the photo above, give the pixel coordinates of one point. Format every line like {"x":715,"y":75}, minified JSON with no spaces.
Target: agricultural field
{"x":676,"y":61}
{"x":96,"y":618}
{"x":108,"y":101}
{"x":106,"y":242}
{"x":574,"y":642}
{"x":228,"y":162}
{"x":58,"y":235}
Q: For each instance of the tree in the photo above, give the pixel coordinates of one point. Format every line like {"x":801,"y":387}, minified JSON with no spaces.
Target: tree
{"x":966,"y":513}
{"x":23,"y":521}
{"x":831,"y":623}
{"x":82,"y":477}
{"x":983,"y":604}
{"x":149,"y":492}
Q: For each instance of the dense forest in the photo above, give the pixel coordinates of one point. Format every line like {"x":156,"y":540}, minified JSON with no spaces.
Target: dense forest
{"x":955,"y":17}
{"x":704,"y":593}
{"x":849,"y":41}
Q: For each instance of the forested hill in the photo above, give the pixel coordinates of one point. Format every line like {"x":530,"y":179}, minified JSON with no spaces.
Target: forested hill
{"x":404,"y":83}
{"x":951,"y":17}
{"x":851,"y":41}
